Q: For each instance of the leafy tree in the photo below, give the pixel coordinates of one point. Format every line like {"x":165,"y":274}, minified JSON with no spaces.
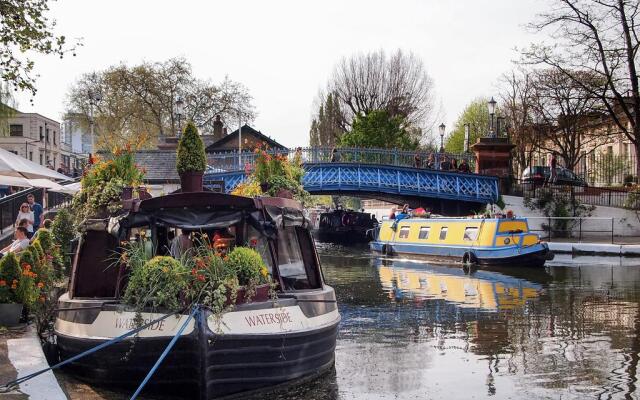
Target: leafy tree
{"x":138,"y":102}
{"x":379,"y":129}
{"x":191,"y":155}
{"x":25,"y":29}
{"x":475,"y":114}
{"x":327,"y":126}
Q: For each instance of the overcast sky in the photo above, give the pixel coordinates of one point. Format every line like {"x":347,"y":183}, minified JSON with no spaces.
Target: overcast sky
{"x":283,"y":51}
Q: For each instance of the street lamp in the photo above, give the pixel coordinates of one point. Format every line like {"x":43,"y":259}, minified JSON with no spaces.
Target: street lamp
{"x":94,"y":97}
{"x":492,"y":111}
{"x":466,"y":138}
{"x":179,"y":111}
{"x":442,"y":128}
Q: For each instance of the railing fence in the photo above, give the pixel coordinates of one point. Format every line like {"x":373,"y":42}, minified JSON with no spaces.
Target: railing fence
{"x":578,"y":228}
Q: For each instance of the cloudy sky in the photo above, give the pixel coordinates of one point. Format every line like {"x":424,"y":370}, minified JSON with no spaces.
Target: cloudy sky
{"x":283,"y":51}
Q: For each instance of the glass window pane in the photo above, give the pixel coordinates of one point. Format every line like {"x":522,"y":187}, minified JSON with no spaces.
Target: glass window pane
{"x":471,"y":233}
{"x":290,"y":262}
{"x":443,"y":232}
{"x":424,"y":232}
{"x":404,"y":232}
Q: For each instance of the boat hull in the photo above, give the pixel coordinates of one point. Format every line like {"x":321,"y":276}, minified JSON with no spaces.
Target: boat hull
{"x":531,"y":256}
{"x":205,"y":363}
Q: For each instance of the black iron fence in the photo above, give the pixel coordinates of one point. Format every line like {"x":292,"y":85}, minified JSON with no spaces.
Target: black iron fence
{"x":229,"y":161}
{"x":577,"y":228}
{"x":598,"y":196}
{"x":599,"y":168}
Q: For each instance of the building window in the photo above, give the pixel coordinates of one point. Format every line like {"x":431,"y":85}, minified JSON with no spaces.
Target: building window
{"x":47,"y":133}
{"x":404,"y":232}
{"x":31,"y":156}
{"x":424,"y":232}
{"x":54,"y":137}
{"x":443,"y":232}
{"x":15,"y":130}
{"x":40,"y":158}
{"x":41,"y":135}
{"x":471,"y":233}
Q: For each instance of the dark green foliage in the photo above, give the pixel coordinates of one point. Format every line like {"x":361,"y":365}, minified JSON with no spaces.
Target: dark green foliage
{"x":157,"y":283}
{"x":379,"y":129}
{"x":326,"y":127}
{"x":9,"y":271}
{"x":191,"y":155}
{"x":476,"y":115}
{"x":62,"y":230}
{"x":247,"y":264}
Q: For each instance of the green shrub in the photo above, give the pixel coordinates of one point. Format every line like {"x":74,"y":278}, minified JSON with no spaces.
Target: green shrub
{"x":158,"y":283}
{"x":191,"y":156}
{"x":10,"y":274}
{"x":248,"y":266}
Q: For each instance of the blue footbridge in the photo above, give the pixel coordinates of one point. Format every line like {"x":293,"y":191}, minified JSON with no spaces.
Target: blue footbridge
{"x":374,"y":173}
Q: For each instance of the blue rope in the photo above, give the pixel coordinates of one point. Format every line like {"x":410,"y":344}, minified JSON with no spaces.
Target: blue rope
{"x":164,"y":353}
{"x":87,"y":352}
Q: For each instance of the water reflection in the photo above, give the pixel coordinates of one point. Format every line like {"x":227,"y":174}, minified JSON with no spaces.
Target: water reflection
{"x":415,"y":330}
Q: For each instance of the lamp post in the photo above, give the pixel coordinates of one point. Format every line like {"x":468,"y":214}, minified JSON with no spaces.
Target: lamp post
{"x":179,"y":112}
{"x":94,"y":97}
{"x":491,"y":105}
{"x":240,"y":139}
{"x":442,"y":128}
{"x":26,"y":149}
{"x":466,"y":138}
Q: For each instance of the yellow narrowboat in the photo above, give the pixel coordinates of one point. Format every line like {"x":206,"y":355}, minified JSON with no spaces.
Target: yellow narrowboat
{"x":484,"y":241}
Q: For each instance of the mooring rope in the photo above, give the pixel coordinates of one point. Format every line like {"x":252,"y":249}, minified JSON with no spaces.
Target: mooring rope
{"x":164,"y":353}
{"x":12,"y":384}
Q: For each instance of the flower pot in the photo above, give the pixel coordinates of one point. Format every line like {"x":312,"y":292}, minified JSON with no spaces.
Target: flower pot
{"x":127,"y":193}
{"x":262,"y":294}
{"x":10,"y":314}
{"x":191,"y":181}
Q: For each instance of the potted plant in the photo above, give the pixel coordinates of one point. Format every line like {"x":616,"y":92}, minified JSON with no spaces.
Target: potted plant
{"x":17,"y":289}
{"x":191,"y":160}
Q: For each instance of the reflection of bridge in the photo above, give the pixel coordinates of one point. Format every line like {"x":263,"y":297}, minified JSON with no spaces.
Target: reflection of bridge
{"x":387,"y":179}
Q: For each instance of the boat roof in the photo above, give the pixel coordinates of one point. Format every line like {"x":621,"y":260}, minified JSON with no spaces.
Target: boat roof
{"x":198,"y":199}
{"x":458,"y":219}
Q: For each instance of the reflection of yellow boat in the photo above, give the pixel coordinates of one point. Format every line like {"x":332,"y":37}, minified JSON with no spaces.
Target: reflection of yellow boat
{"x":483,"y":290}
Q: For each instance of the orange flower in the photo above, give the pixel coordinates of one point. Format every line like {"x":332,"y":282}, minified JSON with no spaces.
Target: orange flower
{"x":3,"y":282}
{"x":194,"y":271}
{"x":42,"y":299}
{"x":14,"y":286}
{"x":40,"y":285}
{"x":200,"y":263}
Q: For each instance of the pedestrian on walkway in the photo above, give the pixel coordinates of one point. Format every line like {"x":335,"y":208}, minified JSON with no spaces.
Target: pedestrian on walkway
{"x":445,"y":165}
{"x":431,"y":162}
{"x":37,"y":210}
{"x":464,"y":167}
{"x":454,"y":164}
{"x":553,"y":169}
{"x":335,"y":157}
{"x":417,"y":161}
{"x":26,"y":214}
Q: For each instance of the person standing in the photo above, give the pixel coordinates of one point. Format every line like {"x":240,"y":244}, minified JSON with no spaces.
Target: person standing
{"x":553,"y":169}
{"x":37,"y":210}
{"x":445,"y":165}
{"x":417,"y":161}
{"x":431,"y":162}
{"x":25,"y":214}
{"x":464,"y":167}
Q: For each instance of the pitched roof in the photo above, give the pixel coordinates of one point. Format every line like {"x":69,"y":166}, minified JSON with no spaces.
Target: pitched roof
{"x":246,"y":129}
{"x":159,"y":164}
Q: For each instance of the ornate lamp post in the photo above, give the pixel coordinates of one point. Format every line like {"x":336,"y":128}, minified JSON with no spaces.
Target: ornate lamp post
{"x":179,"y":112}
{"x":94,"y":97}
{"x":442,"y":128}
{"x":466,"y":138}
{"x":491,"y":105}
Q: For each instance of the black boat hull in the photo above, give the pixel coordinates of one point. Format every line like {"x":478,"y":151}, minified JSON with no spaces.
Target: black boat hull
{"x":204,"y":365}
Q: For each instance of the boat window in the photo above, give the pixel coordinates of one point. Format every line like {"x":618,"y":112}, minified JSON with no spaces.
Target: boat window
{"x":424,"y":232}
{"x":260,"y":243}
{"x":471,"y":233}
{"x":404,"y":232}
{"x":443,"y":232}
{"x":295,"y":264}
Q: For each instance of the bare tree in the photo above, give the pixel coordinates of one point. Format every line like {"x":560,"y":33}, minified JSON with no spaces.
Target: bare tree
{"x":599,"y":36}
{"x":397,"y":84}
{"x":563,"y":113}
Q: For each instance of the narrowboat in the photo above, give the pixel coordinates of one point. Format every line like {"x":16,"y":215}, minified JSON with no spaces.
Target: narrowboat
{"x":345,"y":226}
{"x":483,"y":241}
{"x":256,"y":345}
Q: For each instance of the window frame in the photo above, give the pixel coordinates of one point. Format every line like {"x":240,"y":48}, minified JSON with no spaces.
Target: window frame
{"x":445,"y":230}
{"x":469,"y":239}
{"x":404,"y":229}
{"x":426,"y":229}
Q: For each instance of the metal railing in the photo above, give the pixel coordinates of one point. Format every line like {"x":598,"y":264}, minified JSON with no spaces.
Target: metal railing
{"x":229,"y":161}
{"x":596,"y":196}
{"x":573,"y":227}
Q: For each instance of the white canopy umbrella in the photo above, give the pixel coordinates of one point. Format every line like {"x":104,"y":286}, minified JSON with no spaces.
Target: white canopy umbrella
{"x":71,"y":188}
{"x":17,"y":166}
{"x":24,"y":182}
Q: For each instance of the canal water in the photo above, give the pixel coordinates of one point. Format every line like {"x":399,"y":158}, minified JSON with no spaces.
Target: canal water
{"x":416,"y":330}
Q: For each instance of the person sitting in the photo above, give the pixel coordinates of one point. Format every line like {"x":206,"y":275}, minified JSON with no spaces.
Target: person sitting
{"x":20,"y":243}
{"x":405,"y":213}
{"x":24,"y":223}
{"x":181,"y":244}
{"x":392,"y":215}
{"x":464,"y":167}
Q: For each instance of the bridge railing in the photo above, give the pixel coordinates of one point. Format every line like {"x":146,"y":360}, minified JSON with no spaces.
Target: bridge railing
{"x":230,"y":161}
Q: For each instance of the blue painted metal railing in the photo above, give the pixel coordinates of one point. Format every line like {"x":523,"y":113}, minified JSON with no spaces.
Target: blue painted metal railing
{"x":396,"y":180}
{"x":229,"y":161}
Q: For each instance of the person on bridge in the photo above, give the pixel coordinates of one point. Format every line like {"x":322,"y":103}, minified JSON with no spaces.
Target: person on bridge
{"x":464,"y":167}
{"x":431,"y":162}
{"x":553,"y":169}
{"x":335,"y":157}
{"x":445,"y":165}
{"x":417,"y":161}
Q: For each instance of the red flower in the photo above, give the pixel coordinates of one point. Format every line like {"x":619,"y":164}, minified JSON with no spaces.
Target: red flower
{"x":200,"y":278}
